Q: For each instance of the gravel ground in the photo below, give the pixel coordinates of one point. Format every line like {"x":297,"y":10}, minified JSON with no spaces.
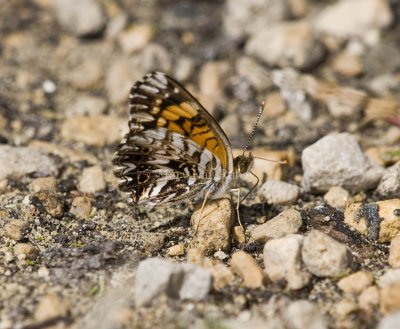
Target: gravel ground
{"x":321,"y":241}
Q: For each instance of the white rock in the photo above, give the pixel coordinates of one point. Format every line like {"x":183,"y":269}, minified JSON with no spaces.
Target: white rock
{"x":50,"y":307}
{"x":245,"y":17}
{"x":282,"y":260}
{"x":155,"y":276}
{"x":293,"y":90}
{"x":343,"y":18}
{"x":21,"y":161}
{"x":389,"y":185}
{"x":287,"y":222}
{"x":197,"y":282}
{"x":277,"y":192}
{"x":287,"y":44}
{"x":324,"y":256}
{"x":86,"y":105}
{"x":391,"y":276}
{"x":390,"y":321}
{"x":87,"y":18}
{"x":303,"y":314}
{"x":337,"y":160}
{"x":248,"y":68}
{"x":337,"y":197}
{"x":92,"y":180}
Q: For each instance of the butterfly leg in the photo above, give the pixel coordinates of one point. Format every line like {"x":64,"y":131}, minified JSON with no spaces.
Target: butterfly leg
{"x":208,"y":193}
{"x":237,"y":205}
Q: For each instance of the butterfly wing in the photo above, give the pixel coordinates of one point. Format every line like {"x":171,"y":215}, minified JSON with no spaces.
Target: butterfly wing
{"x":174,"y":148}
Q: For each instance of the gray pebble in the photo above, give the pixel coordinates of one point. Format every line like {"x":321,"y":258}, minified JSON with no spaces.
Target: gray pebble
{"x":287,"y":222}
{"x":338,"y":160}
{"x":196,"y":284}
{"x":85,"y":18}
{"x":21,"y":161}
{"x":282,"y":260}
{"x":302,"y":314}
{"x":277,"y":192}
{"x":156,"y":276}
{"x":324,"y":256}
{"x":390,"y":321}
{"x":389,"y":185}
{"x":92,"y":180}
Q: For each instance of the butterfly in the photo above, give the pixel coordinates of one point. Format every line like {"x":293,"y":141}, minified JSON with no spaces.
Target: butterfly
{"x":174,"y":149}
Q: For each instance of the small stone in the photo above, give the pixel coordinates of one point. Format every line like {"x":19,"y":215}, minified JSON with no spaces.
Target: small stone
{"x":52,"y":202}
{"x":394,"y":255}
{"x":197,"y":282}
{"x":391,"y":276}
{"x":64,"y":152}
{"x":222,"y":275}
{"x":154,"y":277}
{"x":92,"y":180}
{"x":119,"y":80}
{"x":14,"y":229}
{"x":345,"y":307}
{"x":83,"y":20}
{"x":238,"y":234}
{"x":282,"y":260}
{"x":337,"y":197}
{"x":303,"y":314}
{"x":96,"y":130}
{"x":337,"y":160}
{"x":220,"y":255}
{"x":382,"y":218}
{"x":389,"y":185}
{"x":274,"y":105}
{"x":25,"y":251}
{"x":50,"y":307}
{"x":154,"y":242}
{"x":390,"y":321}
{"x":243,"y":18}
{"x":213,"y":228}
{"x":81,"y":207}
{"x":369,"y":298}
{"x":348,"y":65}
{"x":390,"y":298}
{"x":43,"y":184}
{"x":287,"y":222}
{"x":276,"y":192}
{"x":24,"y":161}
{"x":256,"y":75}
{"x":211,"y":77}
{"x":293,"y":89}
{"x":86,"y":75}
{"x":86,"y":105}
{"x":341,"y":19}
{"x":195,"y":256}
{"x":184,"y":67}
{"x":246,"y":266}
{"x":324,"y":256}
{"x":135,"y":38}
{"x":356,"y":282}
{"x":286,"y":44}
{"x":177,"y":250}
{"x":116,"y":24}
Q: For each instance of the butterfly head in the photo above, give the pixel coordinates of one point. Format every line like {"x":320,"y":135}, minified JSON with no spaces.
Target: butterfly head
{"x":243,"y":163}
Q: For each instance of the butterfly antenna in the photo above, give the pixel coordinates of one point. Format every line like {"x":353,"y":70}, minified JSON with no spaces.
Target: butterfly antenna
{"x":260,"y":111}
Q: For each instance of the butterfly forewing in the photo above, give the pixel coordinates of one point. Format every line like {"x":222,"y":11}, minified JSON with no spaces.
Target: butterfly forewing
{"x":174,"y":148}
